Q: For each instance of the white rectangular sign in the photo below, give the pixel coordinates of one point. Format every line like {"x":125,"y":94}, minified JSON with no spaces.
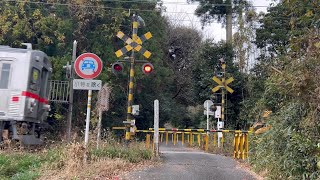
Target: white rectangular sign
{"x":87,"y":84}
{"x":210,"y":113}
{"x":218,"y":112}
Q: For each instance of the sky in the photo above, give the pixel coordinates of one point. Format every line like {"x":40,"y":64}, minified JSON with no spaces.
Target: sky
{"x":182,"y":13}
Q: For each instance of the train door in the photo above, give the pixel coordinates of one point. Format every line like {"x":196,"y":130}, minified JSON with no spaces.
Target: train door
{"x":33,"y":94}
{"x":5,"y":75}
{"x":44,"y":91}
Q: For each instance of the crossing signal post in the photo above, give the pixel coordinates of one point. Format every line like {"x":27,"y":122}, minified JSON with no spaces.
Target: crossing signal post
{"x":223,"y":85}
{"x":133,"y":44}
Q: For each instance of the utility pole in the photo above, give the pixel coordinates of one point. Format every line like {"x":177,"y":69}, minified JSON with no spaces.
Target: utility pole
{"x":229,"y":21}
{"x":70,"y":108}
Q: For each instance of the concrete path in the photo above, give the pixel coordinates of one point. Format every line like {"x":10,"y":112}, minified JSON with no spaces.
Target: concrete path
{"x":180,"y":163}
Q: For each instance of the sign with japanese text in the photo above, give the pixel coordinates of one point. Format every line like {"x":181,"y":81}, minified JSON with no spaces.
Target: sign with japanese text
{"x":87,"y":84}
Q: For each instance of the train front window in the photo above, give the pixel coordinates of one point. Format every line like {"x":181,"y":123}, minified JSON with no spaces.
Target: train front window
{"x":35,"y":73}
{"x":4,"y":75}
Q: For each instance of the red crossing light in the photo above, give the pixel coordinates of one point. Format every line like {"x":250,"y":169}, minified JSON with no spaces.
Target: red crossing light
{"x":147,"y":68}
{"x":117,"y":67}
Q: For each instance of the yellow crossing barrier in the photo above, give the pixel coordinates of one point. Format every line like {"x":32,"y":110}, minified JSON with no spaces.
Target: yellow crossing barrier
{"x":202,"y":137}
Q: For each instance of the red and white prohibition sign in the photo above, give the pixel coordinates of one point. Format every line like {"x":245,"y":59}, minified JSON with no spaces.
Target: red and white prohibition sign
{"x":88,"y":66}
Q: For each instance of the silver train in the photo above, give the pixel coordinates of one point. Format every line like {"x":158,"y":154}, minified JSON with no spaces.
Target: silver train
{"x":24,"y":88}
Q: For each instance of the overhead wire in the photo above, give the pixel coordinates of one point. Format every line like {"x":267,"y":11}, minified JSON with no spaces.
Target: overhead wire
{"x":120,"y":8}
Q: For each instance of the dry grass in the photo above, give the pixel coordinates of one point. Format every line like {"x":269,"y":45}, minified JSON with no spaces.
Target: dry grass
{"x":71,"y":165}
{"x":67,"y":161}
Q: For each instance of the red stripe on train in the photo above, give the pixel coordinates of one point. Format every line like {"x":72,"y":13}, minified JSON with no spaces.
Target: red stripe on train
{"x":35,"y":96}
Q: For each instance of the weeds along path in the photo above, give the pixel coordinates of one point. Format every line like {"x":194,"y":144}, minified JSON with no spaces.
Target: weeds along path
{"x":180,"y":163}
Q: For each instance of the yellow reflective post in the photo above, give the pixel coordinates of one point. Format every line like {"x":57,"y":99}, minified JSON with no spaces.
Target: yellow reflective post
{"x":222,"y":140}
{"x":241,"y":146}
{"x":247,"y":145}
{"x":199,"y":139}
{"x":238,"y":145}
{"x":207,"y":142}
{"x":191,"y":138}
{"x":215,"y":139}
{"x":167,"y":137}
{"x":174,"y":138}
{"x":182,"y":139}
{"x":235,"y":145}
{"x":243,"y":140}
{"x":148,"y":141}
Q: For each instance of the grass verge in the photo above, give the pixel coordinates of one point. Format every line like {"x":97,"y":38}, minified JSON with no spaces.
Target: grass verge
{"x":67,"y":161}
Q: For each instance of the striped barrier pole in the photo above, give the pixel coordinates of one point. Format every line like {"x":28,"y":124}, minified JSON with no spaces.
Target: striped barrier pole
{"x":198,"y":130}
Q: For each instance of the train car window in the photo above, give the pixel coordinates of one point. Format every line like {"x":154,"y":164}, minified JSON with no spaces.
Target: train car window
{"x":44,"y":83}
{"x":35,"y":73}
{"x":4,"y":75}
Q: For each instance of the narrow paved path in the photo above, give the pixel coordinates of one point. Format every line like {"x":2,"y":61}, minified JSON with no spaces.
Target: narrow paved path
{"x":180,"y":163}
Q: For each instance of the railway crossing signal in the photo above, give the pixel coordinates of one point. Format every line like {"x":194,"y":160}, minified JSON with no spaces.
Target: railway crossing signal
{"x":222,"y":83}
{"x":134,"y":43}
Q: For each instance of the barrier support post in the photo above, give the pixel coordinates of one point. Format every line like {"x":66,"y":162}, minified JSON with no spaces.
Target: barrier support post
{"x":207,"y":143}
{"x":243,"y":138}
{"x":222,"y":141}
{"x":167,"y":137}
{"x":182,"y":139}
{"x":235,"y":145}
{"x":247,"y":145}
{"x":148,"y":141}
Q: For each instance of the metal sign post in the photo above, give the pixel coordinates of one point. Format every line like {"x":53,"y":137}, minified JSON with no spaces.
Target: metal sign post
{"x":156,"y":127}
{"x":207,"y":104}
{"x":86,"y":136}
{"x":70,"y":108}
{"x":88,"y":66}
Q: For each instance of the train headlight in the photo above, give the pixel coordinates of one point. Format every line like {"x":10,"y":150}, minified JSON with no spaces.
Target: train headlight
{"x":32,"y":104}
